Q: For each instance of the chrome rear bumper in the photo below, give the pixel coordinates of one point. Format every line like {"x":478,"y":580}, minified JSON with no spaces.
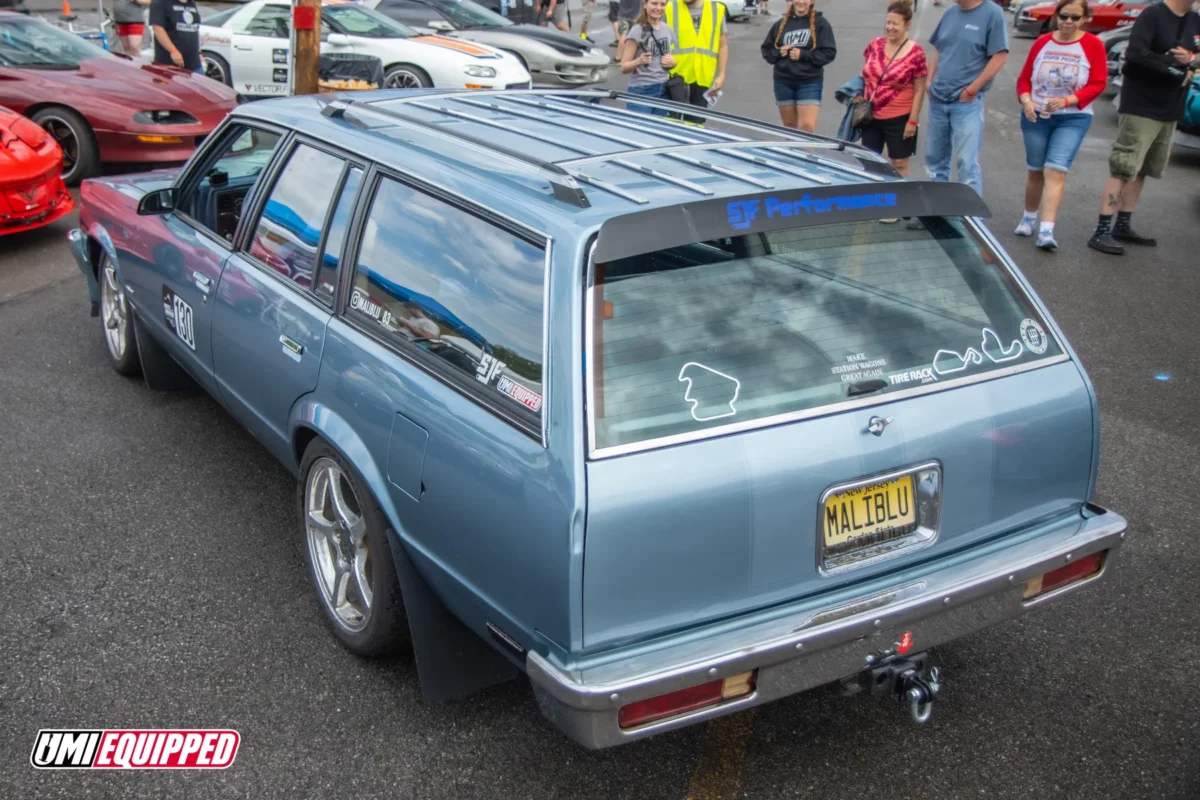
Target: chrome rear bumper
{"x":809,"y":644}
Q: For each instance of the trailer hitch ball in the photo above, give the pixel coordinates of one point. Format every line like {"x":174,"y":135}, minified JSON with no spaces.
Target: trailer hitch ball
{"x":921,"y":692}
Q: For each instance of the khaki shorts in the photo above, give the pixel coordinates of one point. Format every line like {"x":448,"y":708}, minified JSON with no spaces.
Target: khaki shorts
{"x":589,"y":8}
{"x":1142,"y":146}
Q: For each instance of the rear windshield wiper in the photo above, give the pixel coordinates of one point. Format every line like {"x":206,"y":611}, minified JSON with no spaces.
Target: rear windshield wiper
{"x":865,"y":387}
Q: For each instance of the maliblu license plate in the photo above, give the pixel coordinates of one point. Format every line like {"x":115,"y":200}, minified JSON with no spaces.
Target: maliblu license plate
{"x":869,"y":515}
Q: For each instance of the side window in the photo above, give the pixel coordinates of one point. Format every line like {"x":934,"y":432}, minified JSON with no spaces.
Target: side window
{"x":215,"y":194}
{"x":271,"y":22}
{"x":326,"y":283}
{"x":418,"y":15}
{"x":464,"y":293}
{"x":289,"y":229}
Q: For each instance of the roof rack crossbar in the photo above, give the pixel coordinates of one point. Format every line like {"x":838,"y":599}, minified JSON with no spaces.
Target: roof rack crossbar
{"x":755,"y":125}
{"x":608,"y":187}
{"x":562,"y":183}
{"x":636,"y":148}
{"x":852,"y":149}
{"x":454,"y":93}
{"x":629,"y":165}
{"x":616,"y":116}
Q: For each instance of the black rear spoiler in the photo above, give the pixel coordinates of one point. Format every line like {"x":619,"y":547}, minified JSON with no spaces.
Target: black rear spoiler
{"x":671,"y":226}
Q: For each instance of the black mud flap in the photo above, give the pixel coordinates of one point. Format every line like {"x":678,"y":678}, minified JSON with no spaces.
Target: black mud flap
{"x":452,"y":660}
{"x":161,"y":372}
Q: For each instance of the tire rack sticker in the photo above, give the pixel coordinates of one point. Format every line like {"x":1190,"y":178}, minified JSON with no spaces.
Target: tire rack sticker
{"x":179,"y":317}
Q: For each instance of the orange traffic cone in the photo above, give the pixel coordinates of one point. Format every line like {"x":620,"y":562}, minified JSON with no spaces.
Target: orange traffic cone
{"x":66,"y":11}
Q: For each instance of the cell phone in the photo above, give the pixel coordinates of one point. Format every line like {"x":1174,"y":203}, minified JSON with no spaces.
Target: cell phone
{"x":712,"y":96}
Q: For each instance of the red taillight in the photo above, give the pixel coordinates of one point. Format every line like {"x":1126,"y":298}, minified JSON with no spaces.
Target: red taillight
{"x":689,"y":699}
{"x":1076,"y":571}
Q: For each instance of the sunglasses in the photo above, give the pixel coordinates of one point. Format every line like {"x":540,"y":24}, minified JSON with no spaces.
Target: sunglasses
{"x":1070,"y":17}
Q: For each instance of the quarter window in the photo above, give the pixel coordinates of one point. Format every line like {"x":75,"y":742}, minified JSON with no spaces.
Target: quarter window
{"x":289,"y":228}
{"x":461,"y":295}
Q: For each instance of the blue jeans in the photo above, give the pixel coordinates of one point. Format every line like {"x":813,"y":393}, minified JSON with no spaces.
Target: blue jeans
{"x":955,"y":130}
{"x":1052,"y":143}
{"x":657,"y":90}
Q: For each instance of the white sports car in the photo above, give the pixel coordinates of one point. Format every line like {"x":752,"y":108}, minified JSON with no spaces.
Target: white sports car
{"x":248,"y":50}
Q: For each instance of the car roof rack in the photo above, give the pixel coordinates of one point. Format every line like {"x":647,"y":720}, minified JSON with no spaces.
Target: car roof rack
{"x":786,"y":151}
{"x":564,"y":185}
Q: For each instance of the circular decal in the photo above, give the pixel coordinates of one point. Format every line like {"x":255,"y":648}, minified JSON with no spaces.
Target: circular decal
{"x":1034,"y":336}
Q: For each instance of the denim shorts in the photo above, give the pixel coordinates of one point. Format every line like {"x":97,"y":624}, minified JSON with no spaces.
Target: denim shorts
{"x":798,"y":94}
{"x":1054,"y":141}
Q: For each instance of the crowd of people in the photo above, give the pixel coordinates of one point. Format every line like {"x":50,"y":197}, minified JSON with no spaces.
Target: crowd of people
{"x":678,"y":50}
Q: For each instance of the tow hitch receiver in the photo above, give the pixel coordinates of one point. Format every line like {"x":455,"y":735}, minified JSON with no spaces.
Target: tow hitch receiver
{"x":909,"y":678}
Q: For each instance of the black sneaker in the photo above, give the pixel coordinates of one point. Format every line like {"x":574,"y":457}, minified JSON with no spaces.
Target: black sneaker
{"x":1104,"y":243}
{"x":1133,"y":237}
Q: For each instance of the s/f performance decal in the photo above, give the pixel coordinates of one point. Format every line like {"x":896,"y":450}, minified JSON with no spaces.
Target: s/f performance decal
{"x":179,"y":317}
{"x":134,"y":749}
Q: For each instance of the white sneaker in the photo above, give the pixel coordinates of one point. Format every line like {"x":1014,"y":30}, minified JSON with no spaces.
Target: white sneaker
{"x":1025,"y":227}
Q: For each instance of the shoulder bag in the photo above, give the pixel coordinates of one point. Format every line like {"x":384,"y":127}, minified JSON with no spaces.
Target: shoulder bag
{"x":863,"y":112}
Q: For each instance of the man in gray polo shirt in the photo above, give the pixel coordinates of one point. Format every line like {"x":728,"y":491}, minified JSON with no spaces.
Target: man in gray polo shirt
{"x":970,"y":47}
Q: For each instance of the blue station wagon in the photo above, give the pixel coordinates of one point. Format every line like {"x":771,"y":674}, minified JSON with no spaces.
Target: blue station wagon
{"x":674,"y":419}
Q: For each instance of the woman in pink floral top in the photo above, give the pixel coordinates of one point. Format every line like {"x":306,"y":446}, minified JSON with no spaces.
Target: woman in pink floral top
{"x":894,"y":75}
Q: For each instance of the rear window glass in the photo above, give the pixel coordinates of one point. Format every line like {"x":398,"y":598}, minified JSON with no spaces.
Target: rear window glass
{"x":746,"y":328}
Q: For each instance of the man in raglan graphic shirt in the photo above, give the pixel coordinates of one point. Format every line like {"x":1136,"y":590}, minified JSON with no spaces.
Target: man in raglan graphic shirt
{"x":1160,"y":60}
{"x":176,"y":25}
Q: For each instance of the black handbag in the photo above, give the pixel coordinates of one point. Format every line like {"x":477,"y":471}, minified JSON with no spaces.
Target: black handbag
{"x":864,"y":111}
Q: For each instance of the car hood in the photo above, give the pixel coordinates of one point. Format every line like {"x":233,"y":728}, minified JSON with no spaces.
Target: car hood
{"x":147,"y":86}
{"x":136,"y":185}
{"x":550,"y":37}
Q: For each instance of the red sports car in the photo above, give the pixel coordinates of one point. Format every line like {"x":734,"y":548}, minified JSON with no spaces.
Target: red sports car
{"x":102,"y":107}
{"x":1105,"y":16}
{"x":31,"y":192}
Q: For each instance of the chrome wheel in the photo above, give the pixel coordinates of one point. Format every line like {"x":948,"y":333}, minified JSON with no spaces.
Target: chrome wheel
{"x":337,"y":544}
{"x":213,"y":69}
{"x":403,"y":79}
{"x":113,"y":311}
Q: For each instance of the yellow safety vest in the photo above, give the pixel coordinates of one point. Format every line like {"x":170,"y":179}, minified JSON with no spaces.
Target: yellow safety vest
{"x":696,"y":51}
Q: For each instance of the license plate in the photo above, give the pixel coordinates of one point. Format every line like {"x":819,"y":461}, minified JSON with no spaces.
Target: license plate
{"x":869,"y":515}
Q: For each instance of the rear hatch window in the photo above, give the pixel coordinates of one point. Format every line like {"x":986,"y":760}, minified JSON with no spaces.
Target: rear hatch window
{"x":748,"y":330}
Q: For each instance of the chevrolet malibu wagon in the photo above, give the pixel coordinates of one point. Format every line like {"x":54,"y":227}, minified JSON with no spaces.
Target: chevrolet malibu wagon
{"x":675,"y":420}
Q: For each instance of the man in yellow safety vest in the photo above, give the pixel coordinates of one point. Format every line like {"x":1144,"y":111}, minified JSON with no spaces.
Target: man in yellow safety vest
{"x":702,"y":48}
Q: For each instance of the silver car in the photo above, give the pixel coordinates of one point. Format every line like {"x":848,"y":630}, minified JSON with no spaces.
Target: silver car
{"x":552,"y":57}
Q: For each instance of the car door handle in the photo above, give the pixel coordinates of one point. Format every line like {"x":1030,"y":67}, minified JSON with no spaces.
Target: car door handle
{"x":243,"y":47}
{"x":290,"y":347}
{"x":202,"y":281}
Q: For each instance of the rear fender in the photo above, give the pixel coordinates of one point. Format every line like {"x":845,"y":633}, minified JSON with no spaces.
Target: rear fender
{"x":452,"y":659}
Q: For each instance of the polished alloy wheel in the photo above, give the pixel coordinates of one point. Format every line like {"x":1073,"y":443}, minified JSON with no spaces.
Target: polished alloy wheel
{"x":67,"y":140}
{"x":337,"y":542}
{"x":402,"y":79}
{"x":214,"y":70}
{"x":113,"y":311}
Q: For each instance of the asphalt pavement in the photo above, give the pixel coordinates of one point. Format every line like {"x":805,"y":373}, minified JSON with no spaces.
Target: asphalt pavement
{"x":151,"y":574}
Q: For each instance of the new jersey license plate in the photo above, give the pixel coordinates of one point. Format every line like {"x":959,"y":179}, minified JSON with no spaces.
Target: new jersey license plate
{"x":869,"y":515}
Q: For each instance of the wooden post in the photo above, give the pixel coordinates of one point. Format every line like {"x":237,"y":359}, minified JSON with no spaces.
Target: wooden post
{"x":306,"y":55}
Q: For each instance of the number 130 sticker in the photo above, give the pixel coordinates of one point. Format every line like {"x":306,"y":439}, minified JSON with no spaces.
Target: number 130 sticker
{"x":179,"y":317}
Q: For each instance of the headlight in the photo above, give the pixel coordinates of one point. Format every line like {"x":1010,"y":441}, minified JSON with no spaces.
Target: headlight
{"x":164,"y":118}
{"x":479,"y":72}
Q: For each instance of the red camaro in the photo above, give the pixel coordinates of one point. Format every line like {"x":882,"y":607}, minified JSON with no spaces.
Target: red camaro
{"x":101,"y":107}
{"x":1105,"y":16}
{"x":31,"y":192}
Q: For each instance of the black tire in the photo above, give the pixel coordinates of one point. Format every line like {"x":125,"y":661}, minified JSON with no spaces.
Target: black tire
{"x":116,"y":320}
{"x":405,"y":76}
{"x":81,"y":154}
{"x":384,"y":628}
{"x":217,"y":68}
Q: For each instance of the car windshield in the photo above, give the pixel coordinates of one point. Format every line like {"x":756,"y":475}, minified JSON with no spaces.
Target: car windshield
{"x":360,"y":21}
{"x":467,"y":14}
{"x":751,"y":329}
{"x":32,"y":43}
